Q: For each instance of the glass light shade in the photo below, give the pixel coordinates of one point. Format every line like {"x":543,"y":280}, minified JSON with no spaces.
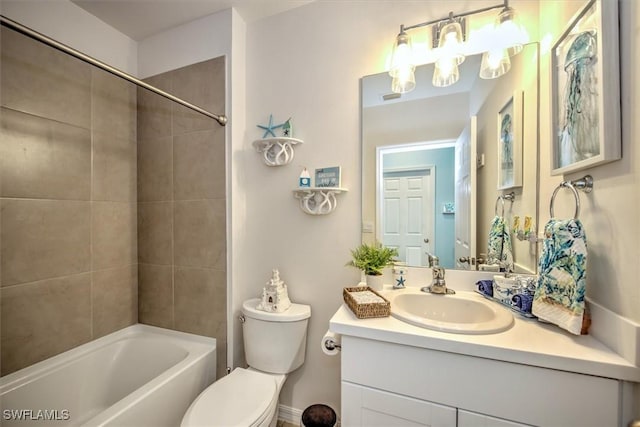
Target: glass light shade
{"x":450,"y":41}
{"x":403,"y":83}
{"x":402,"y":56}
{"x":446,"y":72}
{"x":511,"y":31}
{"x":495,"y":63}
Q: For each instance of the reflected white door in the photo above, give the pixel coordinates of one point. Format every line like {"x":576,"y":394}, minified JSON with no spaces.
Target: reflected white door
{"x":407,"y":212}
{"x":465,"y":196}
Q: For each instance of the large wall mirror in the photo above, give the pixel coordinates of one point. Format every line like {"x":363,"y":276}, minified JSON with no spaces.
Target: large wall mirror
{"x":432,"y":174}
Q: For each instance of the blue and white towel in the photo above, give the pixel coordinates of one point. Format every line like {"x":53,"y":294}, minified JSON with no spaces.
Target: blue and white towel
{"x":559,"y":297}
{"x":500,"y":250}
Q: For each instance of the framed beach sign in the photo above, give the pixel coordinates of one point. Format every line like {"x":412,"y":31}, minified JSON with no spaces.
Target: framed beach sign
{"x":510,"y":143}
{"x":585,"y":90}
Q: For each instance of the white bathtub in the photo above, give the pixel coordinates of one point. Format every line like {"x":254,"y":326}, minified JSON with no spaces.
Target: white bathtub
{"x":138,"y":376}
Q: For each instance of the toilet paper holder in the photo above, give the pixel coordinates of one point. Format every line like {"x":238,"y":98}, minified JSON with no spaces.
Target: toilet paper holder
{"x":330,"y":344}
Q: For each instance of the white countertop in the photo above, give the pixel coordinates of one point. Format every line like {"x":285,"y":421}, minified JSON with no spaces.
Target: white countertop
{"x":527,"y":342}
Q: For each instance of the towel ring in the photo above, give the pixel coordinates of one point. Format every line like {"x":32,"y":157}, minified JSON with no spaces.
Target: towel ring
{"x":501,"y":198}
{"x":585,"y":184}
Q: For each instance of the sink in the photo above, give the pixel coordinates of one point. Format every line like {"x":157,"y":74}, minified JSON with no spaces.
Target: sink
{"x":462,"y":313}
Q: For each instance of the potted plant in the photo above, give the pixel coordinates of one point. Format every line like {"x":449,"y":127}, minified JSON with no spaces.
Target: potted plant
{"x":372,"y":259}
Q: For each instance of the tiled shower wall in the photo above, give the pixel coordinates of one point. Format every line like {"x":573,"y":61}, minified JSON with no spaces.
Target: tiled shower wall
{"x":68,"y":256}
{"x":181,"y":205}
{"x":81,"y":165}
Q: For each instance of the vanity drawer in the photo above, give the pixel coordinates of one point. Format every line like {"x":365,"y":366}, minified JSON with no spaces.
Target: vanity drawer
{"x":522,"y":393}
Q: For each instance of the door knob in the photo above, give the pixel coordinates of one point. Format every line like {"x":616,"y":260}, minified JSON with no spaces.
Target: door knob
{"x":426,"y":240}
{"x":464,"y":259}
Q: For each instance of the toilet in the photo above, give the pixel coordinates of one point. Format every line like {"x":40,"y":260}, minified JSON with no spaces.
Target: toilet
{"x":274,"y":345}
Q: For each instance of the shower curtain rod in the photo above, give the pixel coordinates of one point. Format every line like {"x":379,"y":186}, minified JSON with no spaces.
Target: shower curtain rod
{"x":221,"y":119}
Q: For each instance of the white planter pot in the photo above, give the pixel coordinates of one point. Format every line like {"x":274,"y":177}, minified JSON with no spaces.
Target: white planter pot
{"x":375,"y":282}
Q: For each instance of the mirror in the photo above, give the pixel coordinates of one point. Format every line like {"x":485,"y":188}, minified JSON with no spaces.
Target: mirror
{"x":414,"y":195}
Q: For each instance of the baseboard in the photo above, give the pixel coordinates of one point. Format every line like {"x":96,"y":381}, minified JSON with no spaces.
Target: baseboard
{"x":289,"y":415}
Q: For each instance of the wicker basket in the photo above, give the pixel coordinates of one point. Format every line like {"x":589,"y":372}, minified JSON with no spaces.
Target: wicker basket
{"x":367,"y":310}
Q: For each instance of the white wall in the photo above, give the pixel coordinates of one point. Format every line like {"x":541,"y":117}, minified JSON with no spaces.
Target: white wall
{"x":71,"y":25}
{"x":196,"y":41}
{"x":306,"y":63}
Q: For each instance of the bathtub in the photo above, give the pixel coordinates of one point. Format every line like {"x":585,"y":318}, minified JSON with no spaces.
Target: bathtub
{"x":138,"y":376}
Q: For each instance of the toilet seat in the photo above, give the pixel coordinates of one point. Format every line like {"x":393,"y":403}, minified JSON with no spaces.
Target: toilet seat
{"x":242,"y":398}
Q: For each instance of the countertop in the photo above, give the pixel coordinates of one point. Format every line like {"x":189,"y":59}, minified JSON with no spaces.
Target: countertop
{"x":527,"y":342}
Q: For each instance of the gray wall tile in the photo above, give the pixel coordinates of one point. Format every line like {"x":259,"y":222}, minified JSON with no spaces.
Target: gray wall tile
{"x":58,"y":114}
{"x":199,"y":233}
{"x":155,"y":295}
{"x":114,"y":240}
{"x":43,"y":81}
{"x":199,"y":165}
{"x":201,"y":84}
{"x":154,"y":111}
{"x":42,"y":319}
{"x":201,"y":306}
{"x":43,"y":158}
{"x":114,"y":299}
{"x":155,"y":233}
{"x":114,"y":105}
{"x":155,"y":169}
{"x":42,"y":239}
{"x":114,"y":168}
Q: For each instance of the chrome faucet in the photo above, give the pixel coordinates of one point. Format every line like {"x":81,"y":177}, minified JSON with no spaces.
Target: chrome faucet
{"x":438,"y":285}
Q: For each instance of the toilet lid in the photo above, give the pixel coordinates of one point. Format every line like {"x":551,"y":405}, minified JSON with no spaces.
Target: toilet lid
{"x":239,"y":399}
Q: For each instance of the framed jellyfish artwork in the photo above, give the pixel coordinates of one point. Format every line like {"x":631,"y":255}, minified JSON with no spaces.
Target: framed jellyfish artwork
{"x":510,"y":143}
{"x":585,"y":90}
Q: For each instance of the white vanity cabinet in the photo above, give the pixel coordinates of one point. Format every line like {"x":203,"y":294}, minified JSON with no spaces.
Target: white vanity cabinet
{"x":387,"y":384}
{"x":370,"y":407}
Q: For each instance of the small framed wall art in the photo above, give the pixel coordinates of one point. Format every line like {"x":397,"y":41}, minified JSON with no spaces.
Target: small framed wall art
{"x":510,"y":143}
{"x":328,"y":177}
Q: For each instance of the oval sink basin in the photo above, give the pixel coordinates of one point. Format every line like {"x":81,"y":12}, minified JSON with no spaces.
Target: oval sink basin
{"x":462,"y":313}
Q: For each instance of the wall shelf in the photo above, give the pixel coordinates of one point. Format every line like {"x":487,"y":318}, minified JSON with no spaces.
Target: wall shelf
{"x":276,"y":151}
{"x":318,"y":200}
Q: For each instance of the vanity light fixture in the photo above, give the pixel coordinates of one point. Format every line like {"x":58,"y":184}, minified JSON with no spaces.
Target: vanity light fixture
{"x":507,"y":39}
{"x":402,"y":68}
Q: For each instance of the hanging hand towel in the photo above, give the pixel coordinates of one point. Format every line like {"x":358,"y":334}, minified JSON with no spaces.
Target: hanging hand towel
{"x":500,"y":250}
{"x":559,"y":297}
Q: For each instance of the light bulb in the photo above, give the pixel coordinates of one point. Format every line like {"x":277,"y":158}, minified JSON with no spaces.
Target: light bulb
{"x":446,"y":72}
{"x":402,"y":56}
{"x":450,"y":41}
{"x":510,"y":31}
{"x":495,"y":63}
{"x":404,"y":82}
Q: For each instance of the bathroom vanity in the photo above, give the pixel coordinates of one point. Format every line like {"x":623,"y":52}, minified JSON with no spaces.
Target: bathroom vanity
{"x":397,"y":374}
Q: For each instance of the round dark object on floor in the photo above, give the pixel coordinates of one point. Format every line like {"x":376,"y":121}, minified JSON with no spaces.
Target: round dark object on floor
{"x":319,"y":416}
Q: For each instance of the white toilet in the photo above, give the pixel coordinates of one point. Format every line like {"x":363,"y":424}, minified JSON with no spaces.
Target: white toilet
{"x":274,"y":345}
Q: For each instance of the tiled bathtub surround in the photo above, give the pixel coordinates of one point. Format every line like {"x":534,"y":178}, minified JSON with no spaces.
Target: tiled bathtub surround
{"x":181,"y":205}
{"x":68,"y":238}
{"x":97,"y":176}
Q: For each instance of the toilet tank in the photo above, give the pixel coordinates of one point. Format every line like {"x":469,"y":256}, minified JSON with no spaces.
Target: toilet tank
{"x":275,"y":342}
